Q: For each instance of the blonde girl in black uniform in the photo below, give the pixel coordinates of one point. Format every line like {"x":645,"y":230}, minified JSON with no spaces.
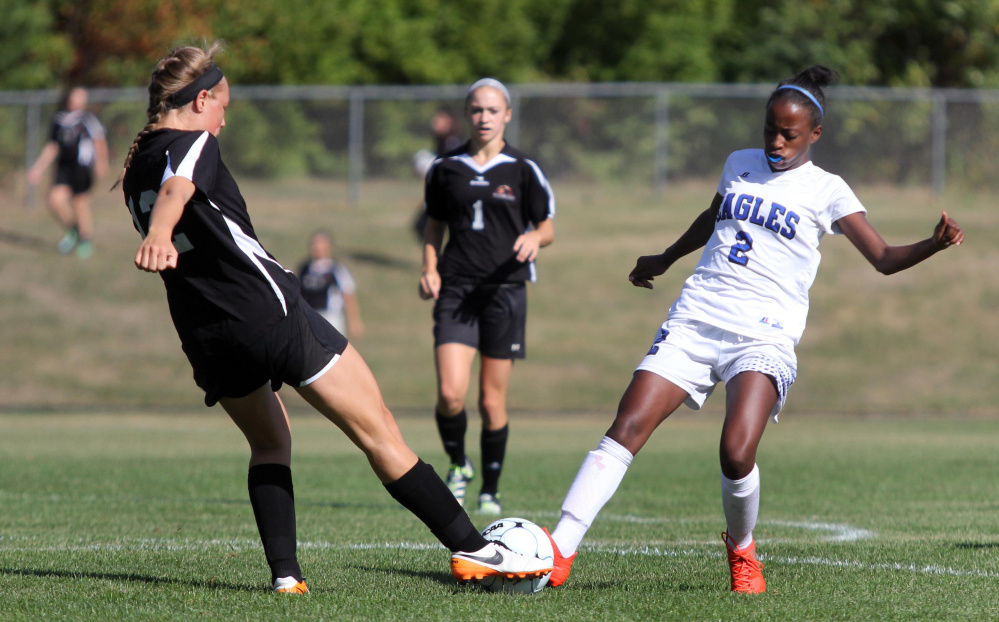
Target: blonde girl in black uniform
{"x":246,"y":330}
{"x":497,"y":208}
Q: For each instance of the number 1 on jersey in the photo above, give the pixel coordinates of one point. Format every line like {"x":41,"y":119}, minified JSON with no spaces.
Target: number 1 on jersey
{"x":478,"y":223}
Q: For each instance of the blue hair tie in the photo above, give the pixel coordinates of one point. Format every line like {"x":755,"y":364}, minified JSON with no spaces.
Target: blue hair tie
{"x":806,"y":94}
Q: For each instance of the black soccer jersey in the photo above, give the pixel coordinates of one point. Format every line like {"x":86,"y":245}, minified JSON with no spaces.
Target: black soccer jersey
{"x":75,"y":131}
{"x":223,"y":274}
{"x":486,"y":209}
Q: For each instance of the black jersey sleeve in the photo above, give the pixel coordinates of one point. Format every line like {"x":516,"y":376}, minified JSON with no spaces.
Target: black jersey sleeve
{"x":434,"y":194}
{"x":54,"y":129}
{"x":195,"y":156}
{"x":539,"y":200}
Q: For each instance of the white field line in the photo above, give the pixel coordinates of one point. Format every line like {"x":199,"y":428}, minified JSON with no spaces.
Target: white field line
{"x":23,"y":544}
{"x":838,"y":532}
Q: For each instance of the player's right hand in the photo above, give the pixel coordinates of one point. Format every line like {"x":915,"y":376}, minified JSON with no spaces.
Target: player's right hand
{"x":156,"y":255}
{"x":430,"y":285}
{"x":646,"y":269}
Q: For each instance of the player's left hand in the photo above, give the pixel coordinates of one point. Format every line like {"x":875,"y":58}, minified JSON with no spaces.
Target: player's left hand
{"x":527,"y":246}
{"x":947,"y":232}
{"x":647,"y":268}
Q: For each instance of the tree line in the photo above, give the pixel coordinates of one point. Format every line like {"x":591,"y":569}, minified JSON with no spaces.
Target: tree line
{"x":938,"y":43}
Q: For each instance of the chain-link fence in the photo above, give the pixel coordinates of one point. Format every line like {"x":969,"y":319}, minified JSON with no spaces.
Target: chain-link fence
{"x":627,"y":133}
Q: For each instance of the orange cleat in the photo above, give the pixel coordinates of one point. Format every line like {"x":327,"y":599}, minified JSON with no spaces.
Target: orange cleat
{"x":562,"y":564}
{"x":290,"y":585}
{"x":747,"y":571}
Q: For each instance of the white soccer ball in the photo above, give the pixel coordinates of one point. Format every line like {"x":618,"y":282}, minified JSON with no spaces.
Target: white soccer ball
{"x":520,"y":536}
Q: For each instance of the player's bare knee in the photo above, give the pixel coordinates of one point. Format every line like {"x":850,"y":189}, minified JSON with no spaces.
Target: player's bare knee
{"x":630,"y":432}
{"x":450,"y":402}
{"x":736,"y":463}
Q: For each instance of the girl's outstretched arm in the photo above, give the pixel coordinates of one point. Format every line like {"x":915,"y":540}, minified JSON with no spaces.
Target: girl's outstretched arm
{"x":891,"y":259}
{"x":696,"y":236}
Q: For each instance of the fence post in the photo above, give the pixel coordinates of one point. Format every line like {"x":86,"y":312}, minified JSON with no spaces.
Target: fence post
{"x":32,"y":131}
{"x":939,"y":143}
{"x":355,"y":148}
{"x":661,"y":141}
{"x":512,"y":132}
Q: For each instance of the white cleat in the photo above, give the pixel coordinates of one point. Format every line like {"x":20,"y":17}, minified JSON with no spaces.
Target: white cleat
{"x":496,"y":560}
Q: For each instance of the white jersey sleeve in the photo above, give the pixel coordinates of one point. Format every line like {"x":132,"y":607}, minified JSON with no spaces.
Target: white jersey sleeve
{"x":756,"y":269}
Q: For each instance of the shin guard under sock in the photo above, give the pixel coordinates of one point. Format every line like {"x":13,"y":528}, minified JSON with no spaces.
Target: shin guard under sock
{"x":452,"y":431}
{"x":273,"y":500}
{"x":493,"y":445}
{"x":422,"y":492}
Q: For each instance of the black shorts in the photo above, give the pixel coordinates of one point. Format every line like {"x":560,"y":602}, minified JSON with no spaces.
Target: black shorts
{"x":78,"y":178}
{"x":297,"y":350}
{"x":490,"y":318}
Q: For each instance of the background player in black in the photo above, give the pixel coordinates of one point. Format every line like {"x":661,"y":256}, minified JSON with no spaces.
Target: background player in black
{"x":246,"y":330}
{"x":497,"y":208}
{"x":78,"y":147}
{"x":328,"y":286}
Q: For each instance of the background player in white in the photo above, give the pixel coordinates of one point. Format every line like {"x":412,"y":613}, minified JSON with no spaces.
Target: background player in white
{"x":245,"y":329}
{"x":497,"y":208}
{"x":739,"y":316}
{"x":78,"y":147}
{"x":329,"y":288}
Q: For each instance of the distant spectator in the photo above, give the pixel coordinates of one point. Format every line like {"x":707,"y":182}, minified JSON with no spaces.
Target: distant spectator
{"x":78,"y":147}
{"x":446,"y":128}
{"x":447,"y":131}
{"x":329,"y":288}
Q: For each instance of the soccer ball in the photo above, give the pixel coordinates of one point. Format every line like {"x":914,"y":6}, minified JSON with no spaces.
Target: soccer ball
{"x":520,"y":536}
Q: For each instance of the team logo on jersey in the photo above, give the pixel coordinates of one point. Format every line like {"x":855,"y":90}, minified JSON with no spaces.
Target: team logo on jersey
{"x":504,"y":193}
{"x":745,"y":175}
{"x":772,"y":323}
{"x":478,"y":180}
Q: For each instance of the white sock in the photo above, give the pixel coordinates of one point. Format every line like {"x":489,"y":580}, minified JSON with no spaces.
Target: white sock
{"x":741,"y":500}
{"x":597,"y":480}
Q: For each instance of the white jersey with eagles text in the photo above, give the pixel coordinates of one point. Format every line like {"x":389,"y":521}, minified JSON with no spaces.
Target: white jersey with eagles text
{"x":754,"y":274}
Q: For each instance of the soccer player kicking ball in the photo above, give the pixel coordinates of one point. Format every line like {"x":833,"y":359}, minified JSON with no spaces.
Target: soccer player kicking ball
{"x":739,"y":316}
{"x":246,"y":330}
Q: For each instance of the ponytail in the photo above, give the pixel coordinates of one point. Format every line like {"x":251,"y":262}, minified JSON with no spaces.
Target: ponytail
{"x":173,"y":72}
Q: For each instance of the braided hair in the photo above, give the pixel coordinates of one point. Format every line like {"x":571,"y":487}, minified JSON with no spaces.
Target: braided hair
{"x":811,"y":80}
{"x":173,"y":72}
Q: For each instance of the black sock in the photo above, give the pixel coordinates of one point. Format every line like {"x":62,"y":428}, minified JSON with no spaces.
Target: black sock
{"x":422,"y":492}
{"x":493,"y":444}
{"x":452,"y":431}
{"x":273,"y":501}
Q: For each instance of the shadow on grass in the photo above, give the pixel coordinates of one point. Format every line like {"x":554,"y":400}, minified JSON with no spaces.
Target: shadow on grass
{"x":125,"y":577}
{"x":382,"y":260}
{"x":443,"y":578}
{"x":977,"y":545}
{"x":24,"y":241}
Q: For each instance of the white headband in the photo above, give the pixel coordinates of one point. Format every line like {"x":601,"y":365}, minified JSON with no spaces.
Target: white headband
{"x":493,"y":82}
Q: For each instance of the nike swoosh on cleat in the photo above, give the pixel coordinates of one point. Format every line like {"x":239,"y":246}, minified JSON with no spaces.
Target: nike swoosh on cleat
{"x":496,"y":558}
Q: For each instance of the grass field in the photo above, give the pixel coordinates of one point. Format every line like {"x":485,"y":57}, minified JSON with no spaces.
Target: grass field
{"x":121,"y":497}
{"x":145,"y":517}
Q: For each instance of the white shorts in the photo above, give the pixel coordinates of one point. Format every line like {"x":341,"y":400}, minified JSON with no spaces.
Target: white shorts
{"x":696,"y":356}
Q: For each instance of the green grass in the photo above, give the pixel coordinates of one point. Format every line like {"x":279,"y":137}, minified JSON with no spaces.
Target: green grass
{"x":97,"y":334}
{"x":145,"y":517}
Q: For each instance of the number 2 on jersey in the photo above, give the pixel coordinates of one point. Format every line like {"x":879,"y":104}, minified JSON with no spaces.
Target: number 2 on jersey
{"x":739,"y":250}
{"x":478,"y":223}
